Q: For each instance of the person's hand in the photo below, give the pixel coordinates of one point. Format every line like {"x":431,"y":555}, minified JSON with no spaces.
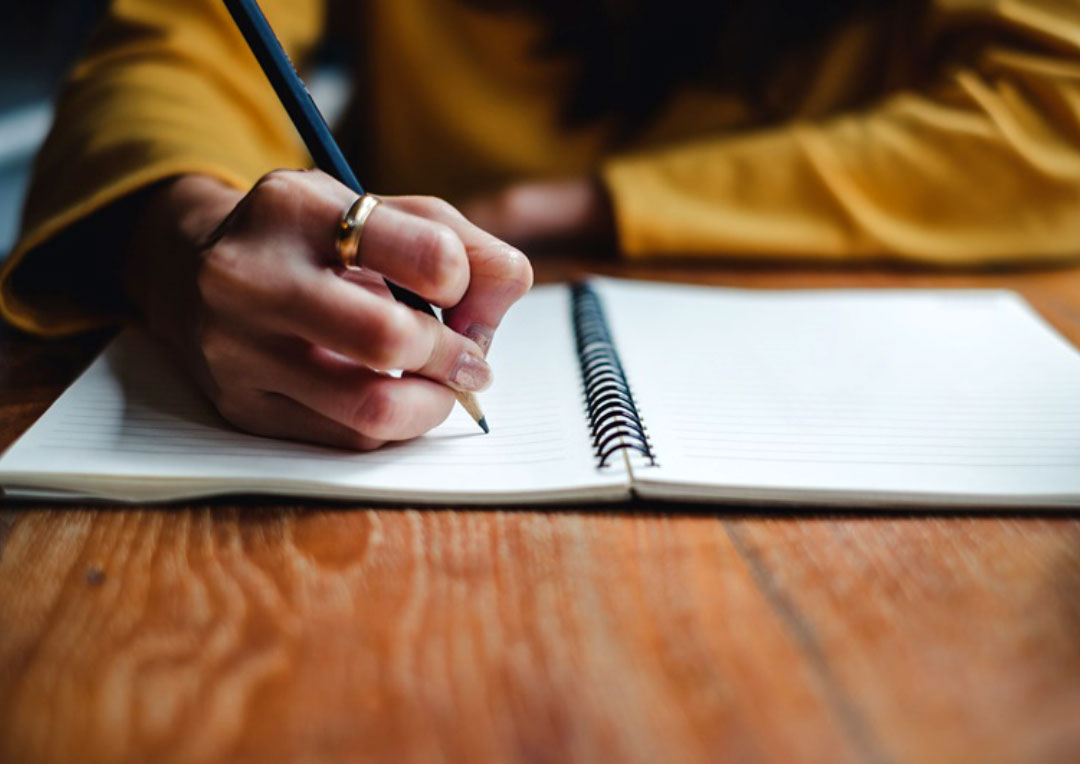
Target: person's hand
{"x":249,"y":292}
{"x":575,"y":211}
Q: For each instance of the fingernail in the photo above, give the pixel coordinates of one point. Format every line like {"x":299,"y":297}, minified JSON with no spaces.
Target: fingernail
{"x":481,"y":335}
{"x":471,"y":373}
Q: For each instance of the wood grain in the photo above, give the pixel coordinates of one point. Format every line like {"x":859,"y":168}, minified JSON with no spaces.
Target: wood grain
{"x":265,"y":632}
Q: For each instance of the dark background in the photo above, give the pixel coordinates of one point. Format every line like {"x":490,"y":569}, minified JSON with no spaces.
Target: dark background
{"x":38,"y":41}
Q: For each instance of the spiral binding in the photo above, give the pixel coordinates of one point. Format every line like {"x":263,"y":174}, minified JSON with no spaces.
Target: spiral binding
{"x":615,"y":423}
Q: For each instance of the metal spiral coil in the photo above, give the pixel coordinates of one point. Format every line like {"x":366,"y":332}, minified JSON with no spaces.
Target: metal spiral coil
{"x":614,"y":420}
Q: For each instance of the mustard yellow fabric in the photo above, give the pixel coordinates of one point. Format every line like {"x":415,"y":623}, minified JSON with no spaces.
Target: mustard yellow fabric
{"x":960,"y":146}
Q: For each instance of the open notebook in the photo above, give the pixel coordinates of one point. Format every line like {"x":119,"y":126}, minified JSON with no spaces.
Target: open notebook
{"x":868,"y":397}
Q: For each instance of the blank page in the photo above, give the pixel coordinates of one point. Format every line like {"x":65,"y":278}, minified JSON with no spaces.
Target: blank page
{"x":853,"y":397}
{"x":132,"y":429}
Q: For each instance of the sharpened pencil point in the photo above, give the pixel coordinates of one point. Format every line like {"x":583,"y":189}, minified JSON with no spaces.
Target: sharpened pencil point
{"x":470,"y":404}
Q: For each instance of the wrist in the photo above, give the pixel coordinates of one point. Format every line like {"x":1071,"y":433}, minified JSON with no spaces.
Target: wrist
{"x":186,"y":210}
{"x":174,"y":221}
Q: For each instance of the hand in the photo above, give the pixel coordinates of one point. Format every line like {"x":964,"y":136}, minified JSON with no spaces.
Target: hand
{"x":248,"y":290}
{"x":575,"y":211}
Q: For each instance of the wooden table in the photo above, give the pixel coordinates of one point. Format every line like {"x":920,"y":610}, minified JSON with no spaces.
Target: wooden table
{"x":264,"y":631}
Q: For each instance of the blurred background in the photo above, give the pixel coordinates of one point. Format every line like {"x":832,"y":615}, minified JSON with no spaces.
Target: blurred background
{"x":38,"y":41}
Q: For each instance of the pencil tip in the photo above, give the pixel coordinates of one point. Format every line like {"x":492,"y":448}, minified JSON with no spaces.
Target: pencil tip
{"x":468,"y":400}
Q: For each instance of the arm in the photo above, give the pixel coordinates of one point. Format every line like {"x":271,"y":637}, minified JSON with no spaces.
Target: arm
{"x":154,"y":187}
{"x":982,"y":166}
{"x":165,"y":88}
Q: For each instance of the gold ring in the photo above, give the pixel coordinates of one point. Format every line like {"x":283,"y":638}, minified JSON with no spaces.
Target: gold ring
{"x":351,"y":228}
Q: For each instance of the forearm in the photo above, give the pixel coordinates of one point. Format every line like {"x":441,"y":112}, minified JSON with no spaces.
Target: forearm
{"x":979,"y":165}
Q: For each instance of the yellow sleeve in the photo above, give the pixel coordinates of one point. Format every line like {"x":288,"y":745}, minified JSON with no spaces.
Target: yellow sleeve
{"x":166,"y":87}
{"x":981,"y":167}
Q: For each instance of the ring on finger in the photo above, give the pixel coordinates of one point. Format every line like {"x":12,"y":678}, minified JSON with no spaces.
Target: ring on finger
{"x":351,"y":229}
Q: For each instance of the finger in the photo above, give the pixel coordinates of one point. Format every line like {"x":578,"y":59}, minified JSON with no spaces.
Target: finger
{"x":275,"y":416}
{"x":499,"y":274}
{"x":332,"y":313}
{"x":375,"y":405}
{"x":303,"y":207}
{"x":424,"y":256}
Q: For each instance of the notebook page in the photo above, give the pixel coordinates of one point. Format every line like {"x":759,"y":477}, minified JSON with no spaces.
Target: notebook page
{"x":131,"y":429}
{"x":868,"y":396}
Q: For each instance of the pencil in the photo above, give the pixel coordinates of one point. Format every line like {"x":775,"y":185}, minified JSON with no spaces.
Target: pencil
{"x":316,"y":135}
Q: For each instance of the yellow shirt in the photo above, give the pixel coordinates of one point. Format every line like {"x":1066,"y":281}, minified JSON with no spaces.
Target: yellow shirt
{"x":959,"y":147}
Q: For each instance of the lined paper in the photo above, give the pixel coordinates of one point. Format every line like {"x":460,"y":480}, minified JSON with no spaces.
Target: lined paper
{"x":875,"y":397}
{"x":854,"y":396}
{"x":131,"y":428}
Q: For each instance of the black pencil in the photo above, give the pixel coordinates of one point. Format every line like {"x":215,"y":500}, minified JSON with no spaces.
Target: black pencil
{"x":316,"y":134}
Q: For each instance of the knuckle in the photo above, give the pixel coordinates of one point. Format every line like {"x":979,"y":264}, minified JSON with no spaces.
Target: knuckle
{"x":276,"y":182}
{"x":216,"y":275}
{"x":444,"y":266}
{"x":443,"y":207}
{"x":435,"y":207}
{"x":389,"y":336}
{"x":515,"y":270}
{"x":278,"y":199}
{"x":377,"y":414}
{"x":520,"y":268}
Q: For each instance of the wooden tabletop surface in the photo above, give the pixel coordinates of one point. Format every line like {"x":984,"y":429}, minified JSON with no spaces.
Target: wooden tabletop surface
{"x":262,"y":631}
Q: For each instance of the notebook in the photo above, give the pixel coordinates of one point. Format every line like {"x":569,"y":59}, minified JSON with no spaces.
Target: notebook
{"x":611,"y":389}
